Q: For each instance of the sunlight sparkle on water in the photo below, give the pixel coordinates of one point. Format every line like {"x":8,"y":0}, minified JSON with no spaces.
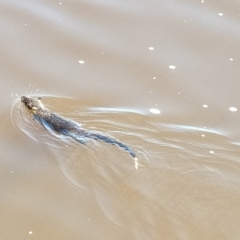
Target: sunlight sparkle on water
{"x":220,"y":14}
{"x":233,"y":109}
{"x":172,"y":67}
{"x":151,"y":48}
{"x":205,"y":106}
{"x":81,"y":61}
{"x":154,"y":111}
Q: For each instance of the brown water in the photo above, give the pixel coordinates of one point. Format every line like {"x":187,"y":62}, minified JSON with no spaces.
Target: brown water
{"x":188,"y":184}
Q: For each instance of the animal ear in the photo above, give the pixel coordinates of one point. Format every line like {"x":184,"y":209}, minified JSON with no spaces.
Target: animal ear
{"x":40,"y":98}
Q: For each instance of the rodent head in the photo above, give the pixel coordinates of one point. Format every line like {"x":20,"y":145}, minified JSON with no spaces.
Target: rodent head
{"x":31,"y":104}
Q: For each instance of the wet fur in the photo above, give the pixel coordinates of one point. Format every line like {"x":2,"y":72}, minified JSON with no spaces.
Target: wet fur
{"x":67,"y":127}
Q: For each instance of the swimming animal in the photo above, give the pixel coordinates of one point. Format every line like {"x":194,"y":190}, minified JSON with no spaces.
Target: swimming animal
{"x":67,"y":127}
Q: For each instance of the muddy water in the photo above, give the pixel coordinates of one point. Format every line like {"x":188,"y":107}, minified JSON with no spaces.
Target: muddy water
{"x":106,"y":64}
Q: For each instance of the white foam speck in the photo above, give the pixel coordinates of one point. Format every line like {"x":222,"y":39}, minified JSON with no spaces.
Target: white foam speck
{"x":30,"y":232}
{"x":231,"y":59}
{"x":205,"y":106}
{"x":202,"y":135}
{"x":220,"y":14}
{"x":233,"y":109}
{"x":212,"y":152}
{"x":154,"y":78}
{"x":172,"y":67}
{"x":136,"y":163}
{"x":154,"y":111}
{"x":81,"y":61}
{"x":151,"y":48}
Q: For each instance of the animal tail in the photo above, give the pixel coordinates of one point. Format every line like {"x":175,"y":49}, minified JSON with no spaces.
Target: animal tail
{"x":123,"y":146}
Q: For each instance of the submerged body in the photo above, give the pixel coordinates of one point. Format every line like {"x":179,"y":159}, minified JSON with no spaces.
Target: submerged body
{"x":67,"y":127}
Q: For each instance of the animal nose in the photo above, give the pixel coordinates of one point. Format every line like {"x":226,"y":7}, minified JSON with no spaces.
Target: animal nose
{"x":23,"y":99}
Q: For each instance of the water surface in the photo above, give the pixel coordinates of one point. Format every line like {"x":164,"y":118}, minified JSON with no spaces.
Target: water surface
{"x":105,"y":64}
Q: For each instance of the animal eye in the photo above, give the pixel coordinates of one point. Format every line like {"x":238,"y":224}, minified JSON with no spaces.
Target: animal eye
{"x":29,"y":107}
